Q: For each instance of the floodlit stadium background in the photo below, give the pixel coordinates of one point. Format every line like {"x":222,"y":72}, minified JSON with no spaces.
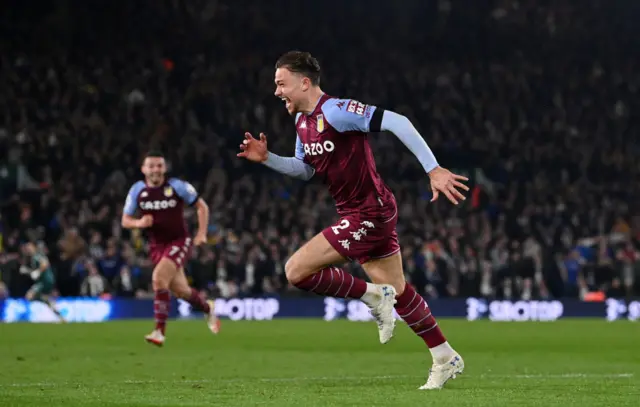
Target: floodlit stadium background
{"x":534,"y":102}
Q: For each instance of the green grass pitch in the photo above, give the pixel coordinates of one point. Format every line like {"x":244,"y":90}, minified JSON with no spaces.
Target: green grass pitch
{"x":316,"y":363}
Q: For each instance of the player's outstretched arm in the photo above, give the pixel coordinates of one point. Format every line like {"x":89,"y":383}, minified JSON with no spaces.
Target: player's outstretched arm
{"x":442,"y":180}
{"x":402,"y":128}
{"x":256,"y":150}
{"x":202,"y":210}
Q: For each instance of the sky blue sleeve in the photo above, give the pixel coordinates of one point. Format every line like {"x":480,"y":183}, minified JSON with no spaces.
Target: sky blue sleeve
{"x":299,"y":149}
{"x":131,"y":203}
{"x":404,"y":130}
{"x":348,"y":115}
{"x":291,"y":166}
{"x":184,"y":190}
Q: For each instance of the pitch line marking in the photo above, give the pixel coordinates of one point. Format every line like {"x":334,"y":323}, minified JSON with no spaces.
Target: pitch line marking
{"x":330,"y":378}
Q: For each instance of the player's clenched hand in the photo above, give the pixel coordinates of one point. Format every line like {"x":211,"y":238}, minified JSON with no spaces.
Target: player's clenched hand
{"x":254,"y":149}
{"x":200,"y":239}
{"x":443,"y":180}
{"x":145,"y":222}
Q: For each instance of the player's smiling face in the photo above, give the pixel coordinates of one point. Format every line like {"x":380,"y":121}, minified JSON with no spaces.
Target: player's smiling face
{"x":154,"y":169}
{"x":290,"y":87}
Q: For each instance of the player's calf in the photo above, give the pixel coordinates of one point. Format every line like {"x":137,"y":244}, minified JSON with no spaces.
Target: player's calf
{"x":413,"y":309}
{"x":163,"y":274}
{"x":180,"y":288}
{"x":308,"y":270}
{"x":333,"y":282}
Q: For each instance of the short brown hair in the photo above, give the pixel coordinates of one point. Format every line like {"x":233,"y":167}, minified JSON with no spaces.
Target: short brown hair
{"x":302,"y":63}
{"x":154,"y":154}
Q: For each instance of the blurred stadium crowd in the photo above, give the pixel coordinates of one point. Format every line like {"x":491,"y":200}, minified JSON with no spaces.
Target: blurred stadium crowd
{"x":533,"y":100}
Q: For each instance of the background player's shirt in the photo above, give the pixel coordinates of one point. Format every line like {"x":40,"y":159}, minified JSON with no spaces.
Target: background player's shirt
{"x":166,"y":204}
{"x":35,"y":263}
{"x":333,"y":140}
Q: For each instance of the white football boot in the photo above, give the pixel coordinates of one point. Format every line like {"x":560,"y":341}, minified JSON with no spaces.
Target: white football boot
{"x":156,"y":337}
{"x":212,"y":320}
{"x":441,"y":373}
{"x":382,"y":311}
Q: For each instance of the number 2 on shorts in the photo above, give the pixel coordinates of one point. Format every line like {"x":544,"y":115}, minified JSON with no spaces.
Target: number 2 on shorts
{"x":343,"y":225}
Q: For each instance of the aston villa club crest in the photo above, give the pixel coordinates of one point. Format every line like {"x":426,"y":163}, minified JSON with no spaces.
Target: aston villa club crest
{"x":168,"y":192}
{"x":320,"y":123}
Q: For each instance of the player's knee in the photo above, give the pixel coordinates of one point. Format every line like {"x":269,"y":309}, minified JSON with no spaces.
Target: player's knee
{"x":181,"y":291}
{"x":294,"y":271}
{"x":159,"y":282}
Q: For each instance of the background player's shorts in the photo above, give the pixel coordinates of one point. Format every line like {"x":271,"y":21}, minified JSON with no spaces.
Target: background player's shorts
{"x":178,"y":251}
{"x":362,"y":238}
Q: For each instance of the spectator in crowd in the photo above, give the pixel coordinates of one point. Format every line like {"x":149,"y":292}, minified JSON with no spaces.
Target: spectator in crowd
{"x":94,"y":284}
{"x":572,"y":274}
{"x":71,"y":265}
{"x":124,"y":284}
{"x":110,"y":264}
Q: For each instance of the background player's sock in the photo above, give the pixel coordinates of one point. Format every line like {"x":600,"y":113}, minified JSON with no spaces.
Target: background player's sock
{"x":53,"y":308}
{"x":334,"y":282}
{"x":416,"y":313}
{"x":161,"y":309}
{"x":197,"y":302}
